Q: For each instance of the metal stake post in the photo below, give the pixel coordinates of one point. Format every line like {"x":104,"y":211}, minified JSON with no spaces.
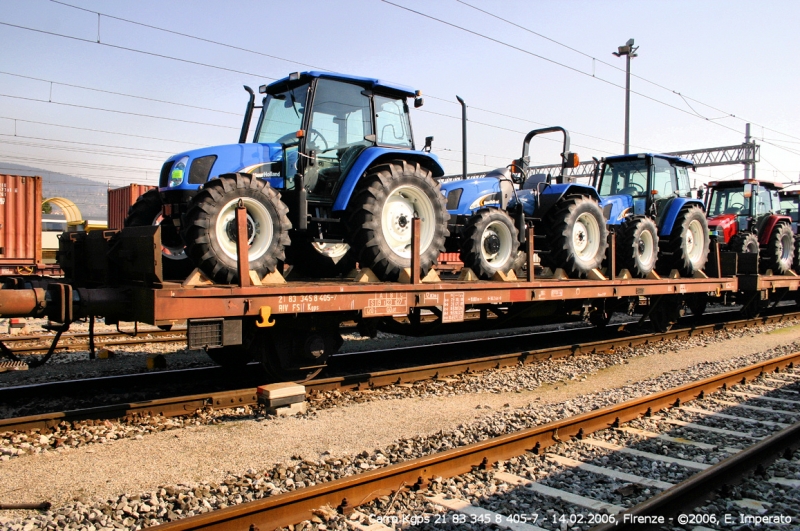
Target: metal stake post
{"x":529,"y":247}
{"x":242,"y":249}
{"x":416,"y":227}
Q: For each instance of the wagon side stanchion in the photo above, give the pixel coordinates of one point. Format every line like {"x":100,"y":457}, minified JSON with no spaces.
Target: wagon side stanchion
{"x":416,"y":226}
{"x":529,"y":250}
{"x":242,"y":251}
{"x":611,"y":257}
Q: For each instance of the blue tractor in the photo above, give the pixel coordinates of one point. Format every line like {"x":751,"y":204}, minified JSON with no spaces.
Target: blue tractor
{"x":489,"y":215}
{"x":331,"y":177}
{"x":647,"y":201}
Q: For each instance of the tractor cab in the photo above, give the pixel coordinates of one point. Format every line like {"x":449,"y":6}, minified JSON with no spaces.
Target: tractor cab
{"x":641,"y":185}
{"x":741,"y":206}
{"x":790,"y":206}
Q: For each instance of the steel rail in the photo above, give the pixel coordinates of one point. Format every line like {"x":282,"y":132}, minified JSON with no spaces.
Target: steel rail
{"x":186,"y":405}
{"x":702,"y":486}
{"x":349,"y":492}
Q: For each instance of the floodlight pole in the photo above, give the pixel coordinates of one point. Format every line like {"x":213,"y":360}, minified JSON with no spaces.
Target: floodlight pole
{"x":629,"y":51}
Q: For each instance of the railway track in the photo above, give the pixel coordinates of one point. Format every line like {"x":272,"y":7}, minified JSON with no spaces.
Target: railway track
{"x":247,"y":396}
{"x":662,"y":463}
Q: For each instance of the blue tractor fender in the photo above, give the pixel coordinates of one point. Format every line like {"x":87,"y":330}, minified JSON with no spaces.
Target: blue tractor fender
{"x":666,"y":221}
{"x":372,"y":155}
{"x":200,"y":165}
{"x":553,"y":193}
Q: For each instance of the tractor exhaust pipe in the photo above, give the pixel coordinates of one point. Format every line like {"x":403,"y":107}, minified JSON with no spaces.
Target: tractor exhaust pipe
{"x":463,"y":137}
{"x":248,"y":114}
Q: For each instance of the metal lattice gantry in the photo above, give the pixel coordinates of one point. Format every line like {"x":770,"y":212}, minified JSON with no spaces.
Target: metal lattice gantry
{"x":747,"y":153}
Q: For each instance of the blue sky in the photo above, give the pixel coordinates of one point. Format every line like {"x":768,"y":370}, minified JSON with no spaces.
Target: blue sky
{"x":723,"y":57}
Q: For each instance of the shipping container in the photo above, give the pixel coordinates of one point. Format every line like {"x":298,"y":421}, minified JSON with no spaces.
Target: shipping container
{"x":20,"y":221}
{"x":120,"y":201}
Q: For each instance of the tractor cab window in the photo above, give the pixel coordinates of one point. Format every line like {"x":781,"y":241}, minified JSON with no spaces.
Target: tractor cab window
{"x":340,"y":119}
{"x":728,"y":201}
{"x":763,"y":201}
{"x":392,"y":123}
{"x":684,"y":186}
{"x":664,"y":179}
{"x":282,"y":116}
{"x":789,"y":207}
{"x":627,"y":177}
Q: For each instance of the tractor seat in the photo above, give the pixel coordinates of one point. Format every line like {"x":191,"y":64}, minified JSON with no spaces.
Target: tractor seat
{"x":533,"y":181}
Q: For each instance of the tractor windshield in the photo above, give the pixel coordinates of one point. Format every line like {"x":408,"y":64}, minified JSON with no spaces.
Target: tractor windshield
{"x":728,"y":200}
{"x":628,"y":177}
{"x":282,"y":116}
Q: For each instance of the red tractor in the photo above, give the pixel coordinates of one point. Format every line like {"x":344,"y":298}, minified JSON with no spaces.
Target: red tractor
{"x":744,"y":216}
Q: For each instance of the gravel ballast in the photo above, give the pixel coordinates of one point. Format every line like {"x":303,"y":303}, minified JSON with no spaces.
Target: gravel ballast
{"x":334,"y":441}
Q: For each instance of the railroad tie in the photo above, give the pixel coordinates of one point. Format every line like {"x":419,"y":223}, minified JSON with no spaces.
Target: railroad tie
{"x":710,"y":429}
{"x":624,"y":476}
{"x":638,"y":453}
{"x":568,"y":497}
{"x":714,"y":414}
{"x":482,"y":515}
{"x":766,"y":398}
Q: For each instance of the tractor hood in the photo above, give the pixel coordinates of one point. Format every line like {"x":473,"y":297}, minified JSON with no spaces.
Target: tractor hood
{"x":618,"y":207}
{"x":467,"y":196}
{"x":723,"y":226}
{"x":191,"y":169}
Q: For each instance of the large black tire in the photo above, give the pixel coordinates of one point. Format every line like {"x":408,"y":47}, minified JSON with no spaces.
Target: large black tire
{"x":210,"y":231}
{"x":687,"y":246}
{"x":380,"y":217}
{"x":778,"y":255}
{"x":313,"y":260}
{"x":796,"y":263}
{"x":637,"y":247}
{"x":744,"y":242}
{"x":577,"y":236}
{"x":146,"y":211}
{"x":490,"y":243}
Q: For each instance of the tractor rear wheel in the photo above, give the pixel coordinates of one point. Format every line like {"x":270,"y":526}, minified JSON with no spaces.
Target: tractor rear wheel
{"x":779,"y":253}
{"x":637,"y":249}
{"x":688,"y":244}
{"x":744,"y":242}
{"x":146,"y":211}
{"x":490,"y":243}
{"x":380,"y":216}
{"x":577,"y":237}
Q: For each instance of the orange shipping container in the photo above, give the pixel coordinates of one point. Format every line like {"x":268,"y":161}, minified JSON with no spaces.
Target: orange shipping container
{"x":120,"y":201}
{"x":20,"y":220}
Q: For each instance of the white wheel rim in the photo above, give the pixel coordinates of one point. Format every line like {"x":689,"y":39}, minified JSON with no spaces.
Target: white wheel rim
{"x":257,"y":217}
{"x":333,"y":251}
{"x":786,"y":247}
{"x":496,"y":232}
{"x":405,"y":203}
{"x":586,"y":237}
{"x":173,"y":253}
{"x":645,"y":247}
{"x":694,"y":238}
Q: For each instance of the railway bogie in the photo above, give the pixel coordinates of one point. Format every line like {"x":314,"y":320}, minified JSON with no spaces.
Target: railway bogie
{"x":292,"y":327}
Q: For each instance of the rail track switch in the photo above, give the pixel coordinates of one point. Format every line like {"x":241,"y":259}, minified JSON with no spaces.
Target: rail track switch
{"x":282,"y":398}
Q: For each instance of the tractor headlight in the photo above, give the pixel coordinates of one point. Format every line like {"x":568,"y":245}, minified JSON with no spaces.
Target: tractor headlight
{"x":178,"y":172}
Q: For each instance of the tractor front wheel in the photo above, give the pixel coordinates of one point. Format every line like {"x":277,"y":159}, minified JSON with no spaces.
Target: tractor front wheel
{"x":637,"y":249}
{"x":577,"y":237}
{"x":744,"y":242}
{"x":490,"y":243}
{"x":211,"y":234}
{"x":779,"y":253}
{"x":688,"y":244}
{"x":381,"y":214}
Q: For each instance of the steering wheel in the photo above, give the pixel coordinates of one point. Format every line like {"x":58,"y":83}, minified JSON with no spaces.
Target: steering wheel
{"x":636,"y":186}
{"x":313,"y":136}
{"x":737,"y":206}
{"x":632,"y":188}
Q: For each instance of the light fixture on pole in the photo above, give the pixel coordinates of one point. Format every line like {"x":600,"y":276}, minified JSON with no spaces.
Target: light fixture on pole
{"x":629,"y":51}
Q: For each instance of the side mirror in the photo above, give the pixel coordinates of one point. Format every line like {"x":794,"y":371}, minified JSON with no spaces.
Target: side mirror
{"x":418,"y":102}
{"x":699,"y":193}
{"x":428,"y":143}
{"x":571,"y":160}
